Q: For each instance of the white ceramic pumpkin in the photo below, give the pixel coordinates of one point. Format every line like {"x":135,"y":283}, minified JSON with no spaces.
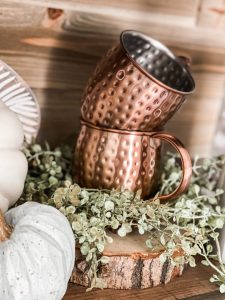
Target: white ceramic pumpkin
{"x":37,"y":258}
{"x":13,"y":163}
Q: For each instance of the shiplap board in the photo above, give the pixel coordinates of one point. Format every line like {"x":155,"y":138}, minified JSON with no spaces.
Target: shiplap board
{"x":212,"y":14}
{"x":196,"y":122}
{"x":19,"y":15}
{"x":179,"y":12}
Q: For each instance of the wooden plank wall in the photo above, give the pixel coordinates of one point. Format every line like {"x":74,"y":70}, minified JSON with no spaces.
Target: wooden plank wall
{"x":55,"y":45}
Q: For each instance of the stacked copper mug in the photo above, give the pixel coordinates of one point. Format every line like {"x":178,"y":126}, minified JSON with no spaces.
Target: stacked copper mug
{"x":135,"y":89}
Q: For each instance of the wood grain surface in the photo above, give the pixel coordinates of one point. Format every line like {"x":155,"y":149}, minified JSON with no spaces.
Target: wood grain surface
{"x":192,"y":285}
{"x":212,"y":14}
{"x":131,"y":264}
{"x":176,"y":11}
{"x":56,"y":44}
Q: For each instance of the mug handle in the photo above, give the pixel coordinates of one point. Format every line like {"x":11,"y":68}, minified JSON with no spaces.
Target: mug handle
{"x":185,"y":163}
{"x":186,"y":61}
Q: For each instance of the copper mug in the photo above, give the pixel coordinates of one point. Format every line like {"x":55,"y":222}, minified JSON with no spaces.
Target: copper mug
{"x":110,"y":158}
{"x":138,"y":85}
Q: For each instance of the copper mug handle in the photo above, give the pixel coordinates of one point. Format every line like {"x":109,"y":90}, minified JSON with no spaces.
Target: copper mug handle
{"x":186,"y":61}
{"x":185,"y":163}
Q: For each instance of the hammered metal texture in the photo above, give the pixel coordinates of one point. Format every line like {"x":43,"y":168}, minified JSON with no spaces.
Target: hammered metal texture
{"x":138,"y":85}
{"x":111,"y":160}
{"x":16,"y":94}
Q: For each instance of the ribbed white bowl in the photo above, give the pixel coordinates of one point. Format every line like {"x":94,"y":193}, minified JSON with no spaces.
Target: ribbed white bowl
{"x":17,"y":95}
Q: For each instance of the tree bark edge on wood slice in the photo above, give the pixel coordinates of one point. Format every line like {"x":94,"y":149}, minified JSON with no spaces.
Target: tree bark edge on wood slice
{"x":131,"y":265}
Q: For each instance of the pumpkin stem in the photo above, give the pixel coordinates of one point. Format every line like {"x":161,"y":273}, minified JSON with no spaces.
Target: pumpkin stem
{"x":5,"y":229}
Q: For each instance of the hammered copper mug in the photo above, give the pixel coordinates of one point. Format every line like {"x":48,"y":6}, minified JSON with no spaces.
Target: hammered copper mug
{"x":138,"y":85}
{"x":110,"y":158}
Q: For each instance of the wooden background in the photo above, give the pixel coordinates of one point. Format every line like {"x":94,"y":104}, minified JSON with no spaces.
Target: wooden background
{"x":55,"y":45}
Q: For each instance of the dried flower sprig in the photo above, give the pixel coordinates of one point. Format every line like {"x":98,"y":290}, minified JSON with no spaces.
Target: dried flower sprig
{"x":191,"y":223}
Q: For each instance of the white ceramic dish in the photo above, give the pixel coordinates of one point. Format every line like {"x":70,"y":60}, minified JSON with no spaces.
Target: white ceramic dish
{"x":17,"y":95}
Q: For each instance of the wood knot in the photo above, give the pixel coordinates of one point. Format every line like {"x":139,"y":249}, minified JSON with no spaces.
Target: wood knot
{"x":217,"y":10}
{"x":54,"y":13}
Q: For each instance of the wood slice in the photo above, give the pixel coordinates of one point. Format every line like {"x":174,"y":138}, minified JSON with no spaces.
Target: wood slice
{"x":131,"y":265}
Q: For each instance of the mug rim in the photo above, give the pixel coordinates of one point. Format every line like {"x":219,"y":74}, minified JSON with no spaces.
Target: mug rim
{"x":166,"y":50}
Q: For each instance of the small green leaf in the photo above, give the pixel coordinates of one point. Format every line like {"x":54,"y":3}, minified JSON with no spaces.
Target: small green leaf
{"x":89,"y":257}
{"x":109,"y":239}
{"x":76,"y":226}
{"x":213,"y":200}
{"x":115,"y":224}
{"x":70,"y":210}
{"x":192,"y":262}
{"x":62,"y":210}
{"x":85,"y":249}
{"x":82,"y":239}
{"x":122,"y":231}
{"x":36,"y":148}
{"x":93,"y":221}
{"x":218,"y":209}
{"x":219,"y":223}
{"x":104,"y":260}
{"x":53,"y":180}
{"x":100,"y":247}
{"x":141,"y":229}
{"x":174,"y":176}
{"x":197,"y":189}
{"x":222,"y":288}
{"x":94,"y":231}
{"x":214,"y":235}
{"x":108,"y":214}
{"x":119,"y":218}
{"x":149,"y":244}
{"x":205,"y":263}
{"x":162,"y":240}
{"x":212,"y":279}
{"x":209,"y":248}
{"x":109,"y":205}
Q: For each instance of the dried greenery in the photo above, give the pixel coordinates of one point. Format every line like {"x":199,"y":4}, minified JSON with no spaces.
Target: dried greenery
{"x":190,"y":223}
{"x":48,"y":169}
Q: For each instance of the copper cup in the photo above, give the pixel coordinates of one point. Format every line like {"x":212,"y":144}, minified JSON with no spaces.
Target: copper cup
{"x":138,"y":85}
{"x":110,"y":158}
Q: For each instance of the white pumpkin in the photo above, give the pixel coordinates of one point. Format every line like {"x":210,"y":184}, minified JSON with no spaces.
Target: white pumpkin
{"x":13,"y":163}
{"x":37,"y":259}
